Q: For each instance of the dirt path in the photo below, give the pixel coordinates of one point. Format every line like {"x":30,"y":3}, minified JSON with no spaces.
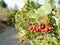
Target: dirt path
{"x":9,"y":36}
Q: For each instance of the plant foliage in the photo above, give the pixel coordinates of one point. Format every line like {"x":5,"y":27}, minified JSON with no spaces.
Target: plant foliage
{"x":37,"y":23}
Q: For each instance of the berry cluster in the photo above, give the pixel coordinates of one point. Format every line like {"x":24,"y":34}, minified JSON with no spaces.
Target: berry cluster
{"x":33,"y":28}
{"x":41,"y":27}
{"x":44,"y":28}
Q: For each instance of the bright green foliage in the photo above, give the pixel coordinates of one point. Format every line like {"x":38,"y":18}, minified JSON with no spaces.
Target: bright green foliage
{"x":32,"y":14}
{"x":45,"y":9}
{"x":58,"y":15}
{"x":51,"y":2}
{"x":32,"y":5}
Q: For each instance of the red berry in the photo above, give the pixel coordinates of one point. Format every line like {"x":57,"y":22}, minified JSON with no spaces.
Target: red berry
{"x":46,"y":30}
{"x":21,"y":39}
{"x":33,"y":28}
{"x":50,"y":28}
{"x":35,"y":31}
{"x":42,"y":30}
{"x":30,"y":27}
{"x":42,"y":25}
{"x":39,"y":27}
{"x":49,"y":25}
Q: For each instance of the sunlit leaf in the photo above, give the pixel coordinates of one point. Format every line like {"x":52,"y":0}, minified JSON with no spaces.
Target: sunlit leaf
{"x":58,"y":15}
{"x":45,"y":9}
{"x":51,"y":2}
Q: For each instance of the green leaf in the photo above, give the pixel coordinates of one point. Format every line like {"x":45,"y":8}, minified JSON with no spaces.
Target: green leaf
{"x":58,"y":15}
{"x":22,"y":32}
{"x":32,"y":5}
{"x":47,"y":21}
{"x":51,"y":2}
{"x":35,"y":5}
{"x":53,"y":21}
{"x":44,"y":10}
{"x":31,"y":14}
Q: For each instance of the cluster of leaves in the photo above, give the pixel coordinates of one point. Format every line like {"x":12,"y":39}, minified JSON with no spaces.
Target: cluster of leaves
{"x":10,"y":16}
{"x":3,"y":4}
{"x":33,"y":14}
{"x":7,"y":15}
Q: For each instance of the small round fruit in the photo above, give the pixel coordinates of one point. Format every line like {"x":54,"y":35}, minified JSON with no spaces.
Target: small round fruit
{"x":41,"y":26}
{"x":42,"y":30}
{"x":35,"y":31}
{"x":21,"y":39}
{"x":49,"y":25}
{"x":50,"y":28}
{"x":31,"y":30}
{"x":46,"y":30}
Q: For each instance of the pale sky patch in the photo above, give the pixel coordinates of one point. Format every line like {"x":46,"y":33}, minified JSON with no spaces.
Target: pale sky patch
{"x":20,"y":3}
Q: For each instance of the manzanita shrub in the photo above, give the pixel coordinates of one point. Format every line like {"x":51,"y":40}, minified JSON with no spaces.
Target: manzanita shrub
{"x":38,"y":24}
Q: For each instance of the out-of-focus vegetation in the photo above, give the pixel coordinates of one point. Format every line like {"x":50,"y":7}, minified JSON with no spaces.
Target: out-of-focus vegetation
{"x":10,"y":16}
{"x":3,"y":4}
{"x":6,"y":15}
{"x":3,"y":11}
